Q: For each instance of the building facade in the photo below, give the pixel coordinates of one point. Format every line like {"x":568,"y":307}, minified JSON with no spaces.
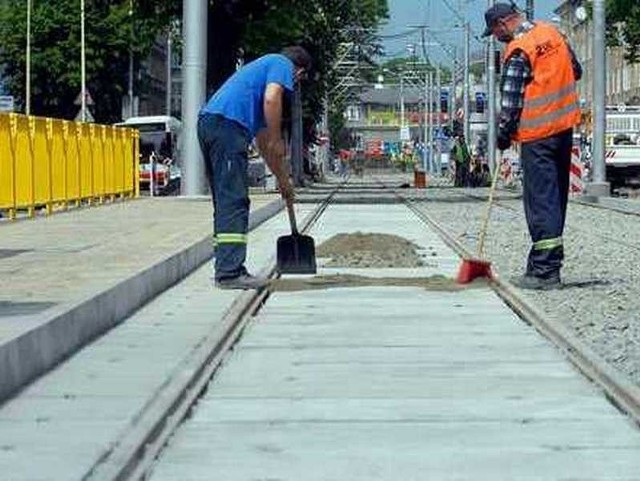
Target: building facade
{"x":623,"y":78}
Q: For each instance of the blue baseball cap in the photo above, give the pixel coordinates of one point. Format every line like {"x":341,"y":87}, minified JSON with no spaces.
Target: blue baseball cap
{"x":498,"y":11}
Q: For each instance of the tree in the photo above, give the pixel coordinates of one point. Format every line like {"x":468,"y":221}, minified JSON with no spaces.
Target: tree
{"x":623,"y":26}
{"x":321,"y":26}
{"x":55,"y":51}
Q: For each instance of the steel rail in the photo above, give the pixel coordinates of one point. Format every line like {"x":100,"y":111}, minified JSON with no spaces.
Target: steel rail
{"x":622,"y":392}
{"x":132,"y":456}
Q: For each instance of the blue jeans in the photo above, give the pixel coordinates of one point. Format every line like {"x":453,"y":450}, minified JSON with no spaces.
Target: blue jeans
{"x":224,"y":146}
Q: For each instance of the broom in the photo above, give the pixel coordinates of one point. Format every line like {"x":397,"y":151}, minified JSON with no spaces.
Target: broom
{"x":472,"y":268}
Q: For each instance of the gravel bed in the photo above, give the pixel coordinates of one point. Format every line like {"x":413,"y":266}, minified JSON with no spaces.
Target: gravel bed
{"x":601,"y":298}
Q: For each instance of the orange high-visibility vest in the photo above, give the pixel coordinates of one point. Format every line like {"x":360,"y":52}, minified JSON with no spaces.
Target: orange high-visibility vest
{"x":550,"y":99}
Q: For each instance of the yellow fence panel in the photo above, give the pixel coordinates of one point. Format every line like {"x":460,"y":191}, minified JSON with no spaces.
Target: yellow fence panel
{"x":7,"y":175}
{"x":53,"y":163}
{"x":59,"y":191}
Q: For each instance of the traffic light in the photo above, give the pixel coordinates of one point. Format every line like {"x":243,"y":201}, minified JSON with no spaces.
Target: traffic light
{"x":480,"y":101}
{"x":444,"y":101}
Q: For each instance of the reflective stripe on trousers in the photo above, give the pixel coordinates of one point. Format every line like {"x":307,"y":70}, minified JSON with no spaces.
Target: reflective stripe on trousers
{"x":547,"y":244}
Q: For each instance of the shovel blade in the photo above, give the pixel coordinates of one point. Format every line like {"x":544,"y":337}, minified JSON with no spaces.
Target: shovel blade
{"x":296,"y":254}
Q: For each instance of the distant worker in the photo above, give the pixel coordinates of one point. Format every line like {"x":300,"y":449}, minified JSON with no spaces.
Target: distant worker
{"x":249,"y":104}
{"x":462,"y":159}
{"x":539,"y":109}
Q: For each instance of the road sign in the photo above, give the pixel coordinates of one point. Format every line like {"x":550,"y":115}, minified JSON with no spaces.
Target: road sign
{"x":404,"y":134}
{"x":622,"y":108}
{"x":88,"y":97}
{"x":7,"y":103}
{"x":89,"y":116}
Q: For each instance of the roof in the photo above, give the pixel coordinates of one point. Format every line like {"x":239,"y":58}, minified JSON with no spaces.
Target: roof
{"x":152,"y":119}
{"x":390,"y":96}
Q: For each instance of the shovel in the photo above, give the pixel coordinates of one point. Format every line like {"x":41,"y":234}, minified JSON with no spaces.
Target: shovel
{"x":296,"y":252}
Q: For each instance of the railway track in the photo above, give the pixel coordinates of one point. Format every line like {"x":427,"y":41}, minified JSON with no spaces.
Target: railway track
{"x":137,"y":450}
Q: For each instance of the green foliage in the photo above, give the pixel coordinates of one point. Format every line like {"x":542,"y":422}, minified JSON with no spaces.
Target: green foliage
{"x":55,"y":50}
{"x":255,"y":26}
{"x":322,"y":27}
{"x":623,"y":25}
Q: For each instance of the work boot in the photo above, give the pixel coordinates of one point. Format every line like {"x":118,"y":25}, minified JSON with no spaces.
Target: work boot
{"x":243,"y":281}
{"x":528,"y":281}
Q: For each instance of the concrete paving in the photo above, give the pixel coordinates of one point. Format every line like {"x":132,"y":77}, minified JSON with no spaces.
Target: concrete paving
{"x":66,"y":278}
{"x":69,"y":418}
{"x":392,"y":383}
{"x":360,"y":383}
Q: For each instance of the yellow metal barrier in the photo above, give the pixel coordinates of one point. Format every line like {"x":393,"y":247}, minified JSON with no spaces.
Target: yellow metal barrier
{"x":49,"y":162}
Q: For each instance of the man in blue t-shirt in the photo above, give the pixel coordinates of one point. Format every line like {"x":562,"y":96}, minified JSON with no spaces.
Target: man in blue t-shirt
{"x":247,"y":106}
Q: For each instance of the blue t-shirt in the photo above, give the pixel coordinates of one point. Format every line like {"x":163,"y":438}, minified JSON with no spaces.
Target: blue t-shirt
{"x":241,"y":97}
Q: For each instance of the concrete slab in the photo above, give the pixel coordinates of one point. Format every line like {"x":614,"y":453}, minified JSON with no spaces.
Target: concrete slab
{"x":69,"y":418}
{"x":391,"y":383}
{"x":80,"y":273}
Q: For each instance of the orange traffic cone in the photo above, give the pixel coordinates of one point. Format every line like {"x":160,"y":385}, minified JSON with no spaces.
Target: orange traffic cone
{"x":473,"y":268}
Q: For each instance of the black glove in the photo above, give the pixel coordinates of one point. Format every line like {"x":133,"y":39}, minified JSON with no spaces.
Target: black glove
{"x":504,"y":141}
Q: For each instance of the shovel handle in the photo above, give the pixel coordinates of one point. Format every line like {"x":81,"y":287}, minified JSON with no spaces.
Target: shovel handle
{"x":292,"y":216}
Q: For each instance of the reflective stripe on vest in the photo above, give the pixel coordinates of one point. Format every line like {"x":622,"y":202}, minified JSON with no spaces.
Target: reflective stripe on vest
{"x":550,"y":99}
{"x":230,"y":239}
{"x":545,"y":100}
{"x":548,"y":244}
{"x":553,"y":116}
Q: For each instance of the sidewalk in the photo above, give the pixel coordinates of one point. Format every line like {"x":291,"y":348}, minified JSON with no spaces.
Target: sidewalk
{"x":67,"y":278}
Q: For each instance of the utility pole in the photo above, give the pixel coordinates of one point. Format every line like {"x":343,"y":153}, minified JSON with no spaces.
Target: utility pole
{"x":130,"y":89}
{"x":430,"y":123}
{"x":425,"y":161}
{"x":467,"y":85}
{"x":83,"y":66}
{"x":169,"y":63}
{"x":529,"y":10}
{"x":599,"y":186}
{"x":438,"y":123}
{"x":454,"y":86}
{"x":194,"y":69}
{"x":296,"y":138}
{"x":27,"y":100}
{"x":491,"y":100}
{"x":401,"y":105}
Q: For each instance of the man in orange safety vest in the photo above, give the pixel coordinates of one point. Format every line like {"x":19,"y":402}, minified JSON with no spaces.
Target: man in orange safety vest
{"x":539,"y":108}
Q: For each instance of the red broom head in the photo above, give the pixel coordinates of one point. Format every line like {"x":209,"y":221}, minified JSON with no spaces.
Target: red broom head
{"x":471,"y":269}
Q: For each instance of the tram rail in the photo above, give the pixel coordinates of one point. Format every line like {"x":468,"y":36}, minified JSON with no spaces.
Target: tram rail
{"x":134,"y":454}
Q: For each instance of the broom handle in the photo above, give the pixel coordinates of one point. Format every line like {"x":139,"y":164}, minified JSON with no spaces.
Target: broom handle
{"x":485,"y":223}
{"x":292,"y":216}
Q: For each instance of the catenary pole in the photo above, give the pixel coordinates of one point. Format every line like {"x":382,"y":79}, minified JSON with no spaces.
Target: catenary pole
{"x":27,"y":108}
{"x":491,"y":99}
{"x":194,"y":34}
{"x":599,"y":186}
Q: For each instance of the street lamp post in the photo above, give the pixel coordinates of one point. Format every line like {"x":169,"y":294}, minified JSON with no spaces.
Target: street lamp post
{"x":599,"y":185}
{"x":491,"y":100}
{"x":83,"y":66}
{"x":130,"y":87}
{"x":467,"y":85}
{"x":27,"y":103}
{"x":169,"y":55}
{"x":194,"y":68}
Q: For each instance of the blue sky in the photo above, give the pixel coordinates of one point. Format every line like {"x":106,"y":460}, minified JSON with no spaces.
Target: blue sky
{"x":436,"y":14}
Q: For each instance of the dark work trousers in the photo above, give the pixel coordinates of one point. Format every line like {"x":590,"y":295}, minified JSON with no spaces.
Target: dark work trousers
{"x":545,"y":166}
{"x":224,"y":146}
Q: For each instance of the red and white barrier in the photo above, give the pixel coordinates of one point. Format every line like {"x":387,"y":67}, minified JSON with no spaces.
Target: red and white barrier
{"x":576,"y":173}
{"x":506,"y":172}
